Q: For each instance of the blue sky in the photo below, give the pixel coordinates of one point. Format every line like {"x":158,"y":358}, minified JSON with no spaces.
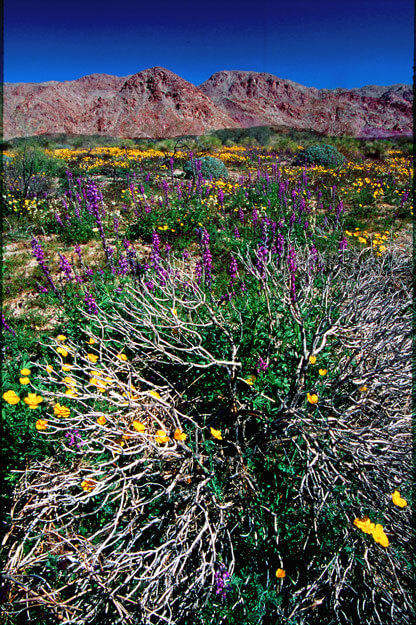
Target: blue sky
{"x":319,"y":43}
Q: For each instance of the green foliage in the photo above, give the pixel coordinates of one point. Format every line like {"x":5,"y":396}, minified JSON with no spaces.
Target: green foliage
{"x":31,"y":172}
{"x":325,"y":155}
{"x":209,"y":167}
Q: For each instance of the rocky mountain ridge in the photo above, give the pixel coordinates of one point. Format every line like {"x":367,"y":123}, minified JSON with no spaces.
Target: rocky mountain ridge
{"x":156,"y":103}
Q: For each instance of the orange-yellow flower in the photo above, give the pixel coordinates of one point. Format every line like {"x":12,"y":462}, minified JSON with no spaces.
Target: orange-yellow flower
{"x":11,"y":398}
{"x":24,"y":381}
{"x":41,"y":424}
{"x":25,"y":372}
{"x":88,"y":485}
{"x":61,"y":337}
{"x":179,"y":435}
{"x":280,"y":573}
{"x":122,"y":357}
{"x":365,"y":525}
{"x":62,"y":351}
{"x":66,"y":367}
{"x":33,"y":400}
{"x":312,"y":360}
{"x":61,"y":411}
{"x":216,"y":433}
{"x":90,"y":341}
{"x":380,"y":536}
{"x":49,"y":368}
{"x":92,"y":357}
{"x":398,"y":500}
{"x":250,"y":380}
{"x":154,"y":394}
{"x":323,"y":372}
{"x":161,"y":437}
{"x":362,"y":389}
{"x":138,"y":426}
{"x":102,"y":420}
{"x":312,"y":398}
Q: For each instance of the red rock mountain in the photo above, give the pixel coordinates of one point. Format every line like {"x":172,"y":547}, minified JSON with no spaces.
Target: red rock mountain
{"x":157,"y":103}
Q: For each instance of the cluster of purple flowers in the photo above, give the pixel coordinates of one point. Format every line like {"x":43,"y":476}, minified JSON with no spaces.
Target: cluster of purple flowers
{"x":39,"y":254}
{"x":91,"y":303}
{"x":291,"y":261}
{"x":74,"y":436}
{"x":221,"y":581}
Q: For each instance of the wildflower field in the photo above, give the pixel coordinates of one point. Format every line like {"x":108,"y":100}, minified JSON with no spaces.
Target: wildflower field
{"x":206,"y":386}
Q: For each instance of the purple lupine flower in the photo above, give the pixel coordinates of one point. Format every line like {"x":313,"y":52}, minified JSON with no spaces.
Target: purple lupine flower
{"x":241,"y":215}
{"x":221,"y":580}
{"x":58,"y":219}
{"x":42,"y":289}
{"x":291,"y":261}
{"x":91,"y":303}
{"x":255,"y":217}
{"x":221,"y":197}
{"x":65,"y":266}
{"x":123,"y":265}
{"x":39,"y":254}
{"x":261,"y":260}
{"x":342,"y":246}
{"x":261,"y":365}
{"x":185,"y":254}
{"x":116,"y":226}
{"x":280,"y":244}
{"x":149,"y":285}
{"x":74,"y":436}
{"x":89,"y":272}
{"x":206,"y":258}
{"x":6,"y":325}
{"x":233,"y":269}
{"x":237,"y":233}
{"x":198,"y":271}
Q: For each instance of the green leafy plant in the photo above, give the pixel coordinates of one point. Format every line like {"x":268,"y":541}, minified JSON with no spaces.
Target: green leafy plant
{"x":209,"y":167}
{"x":322,"y":154}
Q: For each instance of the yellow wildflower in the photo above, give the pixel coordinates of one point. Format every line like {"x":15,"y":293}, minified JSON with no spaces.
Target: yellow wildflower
{"x":33,"y":400}
{"x":250,"y":380}
{"x":61,"y":338}
{"x":398,"y":500}
{"x":88,"y":485}
{"x":122,"y":357}
{"x":41,"y":424}
{"x":70,"y":392}
{"x":62,"y":351}
{"x":362,"y":389}
{"x":90,"y":341}
{"x":138,"y":426}
{"x":92,"y":357}
{"x":280,"y":573}
{"x":380,"y":536}
{"x":362,"y":240}
{"x":11,"y":398}
{"x":323,"y":372}
{"x":24,"y":381}
{"x":312,"y":398}
{"x":216,"y":433}
{"x":365,"y":525}
{"x":179,"y":435}
{"x":61,"y":411}
{"x":25,"y":372}
{"x":49,"y":368}
{"x":66,"y":367}
{"x":312,"y":360}
{"x":154,"y":394}
{"x":102,"y":420}
{"x":161,"y":437}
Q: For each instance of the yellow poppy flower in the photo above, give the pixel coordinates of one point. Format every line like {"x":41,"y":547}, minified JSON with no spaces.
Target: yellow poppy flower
{"x":71,"y":393}
{"x":33,"y":400}
{"x":280,"y":573}
{"x":216,"y":433}
{"x":62,"y":351}
{"x":11,"y":398}
{"x":92,"y":357}
{"x":49,"y":368}
{"x":66,"y":367}
{"x":122,"y":357}
{"x":323,"y":372}
{"x":312,"y":360}
{"x":250,"y":380}
{"x":154,"y":394}
{"x":24,"y":381}
{"x":365,"y":525}
{"x":61,"y":337}
{"x":179,"y":435}
{"x":139,"y":427}
{"x":41,"y":424}
{"x":380,"y":536}
{"x":25,"y":372}
{"x":312,"y":398}
{"x":362,"y":388}
{"x":88,"y":485}
{"x":61,"y":411}
{"x":398,"y":500}
{"x":161,"y":437}
{"x":90,"y":341}
{"x":102,"y":420}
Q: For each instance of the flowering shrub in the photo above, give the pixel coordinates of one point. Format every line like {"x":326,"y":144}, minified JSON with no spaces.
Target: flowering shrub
{"x":207,"y":166}
{"x":322,"y":154}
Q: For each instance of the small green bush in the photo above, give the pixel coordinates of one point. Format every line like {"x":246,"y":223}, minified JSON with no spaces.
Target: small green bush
{"x":210,"y":168}
{"x":323,"y":154}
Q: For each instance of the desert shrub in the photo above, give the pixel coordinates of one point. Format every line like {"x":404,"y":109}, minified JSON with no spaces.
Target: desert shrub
{"x":322,"y":154}
{"x":31,"y":172}
{"x":208,"y":166}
